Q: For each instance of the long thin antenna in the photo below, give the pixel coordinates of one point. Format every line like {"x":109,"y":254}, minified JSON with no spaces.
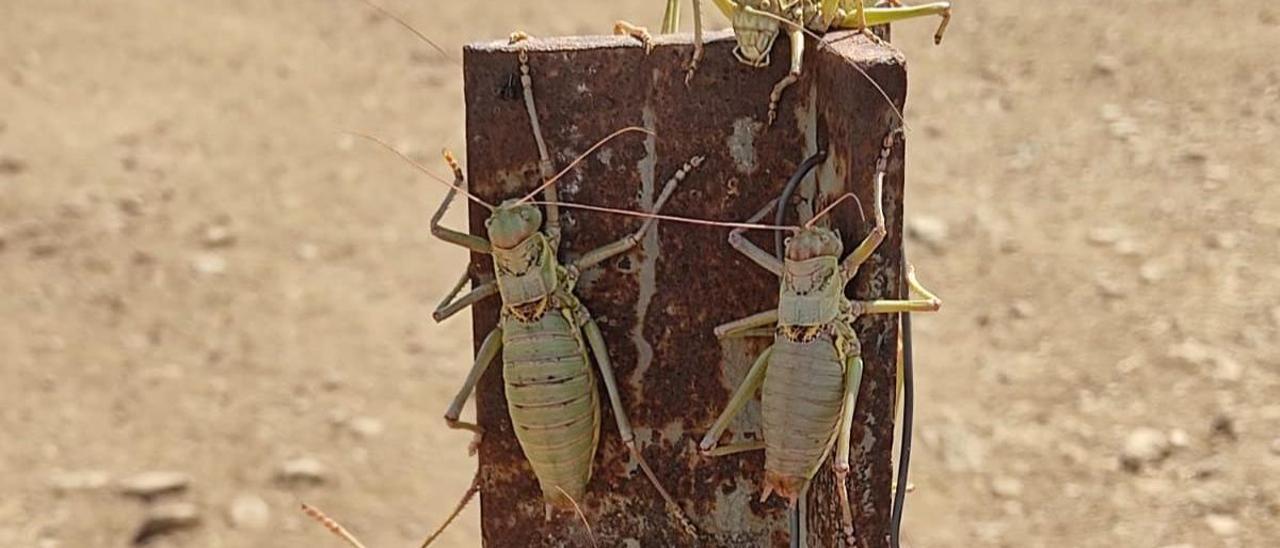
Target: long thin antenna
{"x":386,"y":13}
{"x":578,"y":509}
{"x":673,"y":218}
{"x":333,"y":526}
{"x":582,"y":157}
{"x":448,"y":158}
{"x":821,"y":44}
{"x":833,"y":205}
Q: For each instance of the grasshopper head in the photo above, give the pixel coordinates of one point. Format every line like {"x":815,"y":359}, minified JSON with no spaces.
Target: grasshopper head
{"x":814,"y":242}
{"x":512,"y":223}
{"x":756,"y":35}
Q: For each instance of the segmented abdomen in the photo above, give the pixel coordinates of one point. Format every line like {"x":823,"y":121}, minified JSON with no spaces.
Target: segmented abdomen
{"x":552,"y":399}
{"x":801,"y":406}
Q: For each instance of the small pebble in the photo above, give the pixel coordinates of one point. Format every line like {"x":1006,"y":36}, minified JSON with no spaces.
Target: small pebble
{"x":1006,"y":487}
{"x":1275,"y":447}
{"x":166,"y":518}
{"x":1223,"y":240}
{"x":153,"y":484}
{"x":1224,"y":426}
{"x":248,"y":511}
{"x":217,"y":235}
{"x":302,"y":471}
{"x":83,"y":480}
{"x":308,"y":251}
{"x":931,"y":231}
{"x":365,"y":427}
{"x":1023,"y":309}
{"x":1223,"y":525}
{"x":1107,"y":65}
{"x":208,"y":264}
{"x":1227,"y":369}
{"x":1179,"y":438}
{"x":1143,"y":447}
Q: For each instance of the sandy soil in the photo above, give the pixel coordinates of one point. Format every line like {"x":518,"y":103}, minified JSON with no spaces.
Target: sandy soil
{"x":201,"y":274}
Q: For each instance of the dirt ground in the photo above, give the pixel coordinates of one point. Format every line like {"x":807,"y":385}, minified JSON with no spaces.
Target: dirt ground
{"x":202,"y":274}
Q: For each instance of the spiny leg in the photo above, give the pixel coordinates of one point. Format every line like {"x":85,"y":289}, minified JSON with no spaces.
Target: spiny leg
{"x":607,"y":251}
{"x":698,"y":48}
{"x":737,"y":328}
{"x":448,"y":307}
{"x":469,"y":241}
{"x":852,"y":383}
{"x":596,"y":339}
{"x":930,"y":302}
{"x":746,"y":392}
{"x":552,"y":225}
{"x":870,"y":17}
{"x":849,"y":267}
{"x":753,"y":251}
{"x":735,"y":448}
{"x":489,"y":350}
{"x":797,"y":61}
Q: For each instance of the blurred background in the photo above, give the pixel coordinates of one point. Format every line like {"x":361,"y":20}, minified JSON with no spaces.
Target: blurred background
{"x":214,"y":305}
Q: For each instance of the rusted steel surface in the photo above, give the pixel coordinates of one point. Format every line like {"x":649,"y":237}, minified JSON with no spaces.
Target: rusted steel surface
{"x":657,"y":305}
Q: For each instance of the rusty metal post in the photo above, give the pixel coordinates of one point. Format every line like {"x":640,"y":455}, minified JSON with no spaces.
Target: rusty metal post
{"x":657,"y":305}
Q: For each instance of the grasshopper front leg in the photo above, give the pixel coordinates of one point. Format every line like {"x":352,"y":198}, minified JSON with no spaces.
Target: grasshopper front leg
{"x":552,"y":224}
{"x":448,"y":307}
{"x":608,"y":251}
{"x":469,"y":241}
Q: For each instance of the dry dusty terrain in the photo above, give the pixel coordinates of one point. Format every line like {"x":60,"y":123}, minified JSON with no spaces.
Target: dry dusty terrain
{"x":201,"y":274}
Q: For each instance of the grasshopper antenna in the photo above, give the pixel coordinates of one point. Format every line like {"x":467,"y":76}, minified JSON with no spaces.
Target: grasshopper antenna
{"x":333,"y":526}
{"x":818,"y":38}
{"x":466,"y":499}
{"x":826,"y":210}
{"x":780,"y":217}
{"x":672,"y":218}
{"x":448,"y":158}
{"x":387,"y":13}
{"x":578,"y":510}
{"x":582,"y":157}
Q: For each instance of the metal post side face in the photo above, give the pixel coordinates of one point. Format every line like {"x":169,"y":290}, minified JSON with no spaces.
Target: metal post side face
{"x":657,"y":305}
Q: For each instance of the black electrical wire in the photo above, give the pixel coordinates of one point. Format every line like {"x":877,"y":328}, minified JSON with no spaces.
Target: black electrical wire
{"x":908,"y":405}
{"x":780,"y":216}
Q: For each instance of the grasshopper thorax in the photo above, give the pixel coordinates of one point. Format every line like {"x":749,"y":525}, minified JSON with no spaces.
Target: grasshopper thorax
{"x":756,"y":34}
{"x":512,"y":223}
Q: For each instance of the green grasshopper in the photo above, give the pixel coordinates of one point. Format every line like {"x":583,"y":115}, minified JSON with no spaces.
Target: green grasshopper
{"x":812,"y":372}
{"x":757,"y":23}
{"x":544,"y":333}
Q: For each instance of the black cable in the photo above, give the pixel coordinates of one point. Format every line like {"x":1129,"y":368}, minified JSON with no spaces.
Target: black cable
{"x":780,"y":217}
{"x":908,"y":404}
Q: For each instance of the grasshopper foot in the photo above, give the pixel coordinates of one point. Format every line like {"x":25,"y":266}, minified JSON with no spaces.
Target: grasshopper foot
{"x":692,"y":67}
{"x":635,"y":31}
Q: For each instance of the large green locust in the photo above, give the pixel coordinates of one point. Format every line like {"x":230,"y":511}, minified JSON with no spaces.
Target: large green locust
{"x":811,"y":374}
{"x":757,"y":24}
